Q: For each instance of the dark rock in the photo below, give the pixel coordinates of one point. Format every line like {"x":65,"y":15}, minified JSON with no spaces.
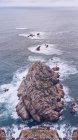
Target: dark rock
{"x":6,"y":89}
{"x":38,"y":34}
{"x":31,"y":35}
{"x":40,"y":94}
{"x":56,"y":68}
{"x":46,"y":45}
{"x":12,"y":138}
{"x":64,"y":139}
{"x":38,"y":48}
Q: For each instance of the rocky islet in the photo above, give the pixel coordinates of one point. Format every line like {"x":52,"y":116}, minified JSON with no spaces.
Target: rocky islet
{"x":40,"y":94}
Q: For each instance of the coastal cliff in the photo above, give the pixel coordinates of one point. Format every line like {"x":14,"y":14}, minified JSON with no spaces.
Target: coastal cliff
{"x":39,"y":134}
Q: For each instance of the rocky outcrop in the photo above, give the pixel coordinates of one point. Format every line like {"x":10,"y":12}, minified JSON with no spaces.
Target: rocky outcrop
{"x":72,"y":108}
{"x":40,"y":94}
{"x":39,"y":134}
{"x":2,"y":135}
{"x":75,"y":135}
{"x":38,"y":34}
{"x":38,"y":48}
{"x":31,"y":35}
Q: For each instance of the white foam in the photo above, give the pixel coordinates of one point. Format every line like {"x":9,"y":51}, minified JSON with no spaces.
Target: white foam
{"x":36,"y":58}
{"x":62,"y":131}
{"x":70,"y":132}
{"x":60,"y":128}
{"x":9,"y":98}
{"x":67,"y":97}
{"x":22,"y":28}
{"x":51,"y":49}
{"x":35,"y":35}
{"x":63,"y":32}
{"x":12,"y":132}
{"x":16,"y":130}
{"x":65,"y":68}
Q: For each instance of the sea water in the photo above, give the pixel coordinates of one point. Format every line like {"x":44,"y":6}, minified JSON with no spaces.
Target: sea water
{"x":58,"y":27}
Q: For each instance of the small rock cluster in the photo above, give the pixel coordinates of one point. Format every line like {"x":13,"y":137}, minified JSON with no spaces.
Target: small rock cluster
{"x":32,"y":35}
{"x":40,"y":94}
{"x":39,"y":47}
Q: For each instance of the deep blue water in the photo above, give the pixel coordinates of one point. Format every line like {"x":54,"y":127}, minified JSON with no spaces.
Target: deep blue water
{"x":61,"y":27}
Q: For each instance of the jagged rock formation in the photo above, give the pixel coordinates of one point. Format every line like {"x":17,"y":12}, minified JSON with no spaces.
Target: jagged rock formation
{"x":39,"y":134}
{"x":75,"y":135}
{"x":2,"y":135}
{"x":40,"y":94}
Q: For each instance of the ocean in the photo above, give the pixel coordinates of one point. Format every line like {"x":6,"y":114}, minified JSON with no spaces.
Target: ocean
{"x":58,"y":27}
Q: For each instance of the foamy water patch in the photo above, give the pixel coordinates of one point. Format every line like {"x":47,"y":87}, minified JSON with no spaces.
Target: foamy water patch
{"x":61,"y":130}
{"x":67,"y":97}
{"x":21,"y":28}
{"x":8,"y":96}
{"x":47,"y":49}
{"x":65,"y":68}
{"x":36,"y":58}
{"x":62,"y":32}
{"x":16,"y":130}
{"x":34,"y":35}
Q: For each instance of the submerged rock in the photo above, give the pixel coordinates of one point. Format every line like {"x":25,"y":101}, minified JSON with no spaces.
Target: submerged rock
{"x":6,"y":89}
{"x":40,"y":94}
{"x":2,"y":135}
{"x":38,"y":34}
{"x":46,"y":45}
{"x":75,"y":135}
{"x":55,"y":68}
{"x":31,"y":35}
{"x":39,"y":134}
{"x":38,"y":48}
